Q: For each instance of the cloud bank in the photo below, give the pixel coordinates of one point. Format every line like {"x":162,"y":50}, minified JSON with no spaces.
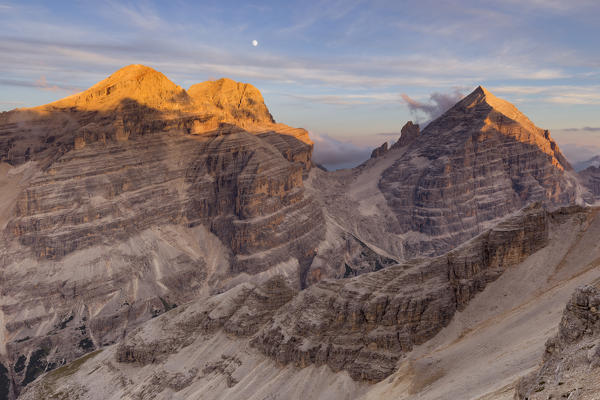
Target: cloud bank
{"x":336,"y":154}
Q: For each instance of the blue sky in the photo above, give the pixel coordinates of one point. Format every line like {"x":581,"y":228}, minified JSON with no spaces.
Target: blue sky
{"x":345,"y":70}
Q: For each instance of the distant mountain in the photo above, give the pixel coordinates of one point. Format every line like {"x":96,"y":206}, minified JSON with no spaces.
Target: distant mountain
{"x":592,"y":162}
{"x":590,"y":177}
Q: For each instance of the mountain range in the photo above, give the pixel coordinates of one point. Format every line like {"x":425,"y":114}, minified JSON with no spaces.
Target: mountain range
{"x":168,"y":243}
{"x":592,"y":162}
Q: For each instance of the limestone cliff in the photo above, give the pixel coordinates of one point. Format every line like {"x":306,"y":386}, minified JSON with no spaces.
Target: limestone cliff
{"x":134,"y":196}
{"x":364,"y":325}
{"x":267,"y":340}
{"x":440,"y":186}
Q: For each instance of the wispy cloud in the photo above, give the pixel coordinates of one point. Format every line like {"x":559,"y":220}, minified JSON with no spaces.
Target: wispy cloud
{"x":9,"y":103}
{"x":141,"y":14}
{"x":329,"y":10}
{"x":559,"y":94}
{"x":390,"y":134}
{"x":350,"y":99}
{"x":40,"y":83}
{"x":576,"y":98}
{"x":437,"y":105}
{"x":584,"y":129}
{"x":346,"y":55}
{"x":557,"y":6}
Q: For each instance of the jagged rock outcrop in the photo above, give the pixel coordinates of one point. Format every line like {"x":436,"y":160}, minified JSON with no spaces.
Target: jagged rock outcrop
{"x":379,"y":151}
{"x":135,"y":196}
{"x":571,"y":364}
{"x":408,"y":134}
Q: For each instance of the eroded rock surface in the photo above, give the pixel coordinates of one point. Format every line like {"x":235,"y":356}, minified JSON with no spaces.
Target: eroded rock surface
{"x":135,"y":196}
{"x":571,"y":364}
{"x":232,"y":345}
{"x":479,"y":161}
{"x":362,"y":325}
{"x":365,"y":324}
{"x":408,"y":134}
{"x":438,"y":187}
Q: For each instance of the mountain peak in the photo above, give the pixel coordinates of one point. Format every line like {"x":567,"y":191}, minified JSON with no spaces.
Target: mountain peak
{"x":483,"y":103}
{"x":482,"y":95}
{"x":133,"y":70}
{"x":135,"y":82}
{"x":482,"y":113}
{"x":238,"y":99}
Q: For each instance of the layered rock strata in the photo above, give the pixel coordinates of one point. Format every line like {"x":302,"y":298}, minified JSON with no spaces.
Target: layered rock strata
{"x":201,"y":349}
{"x":362,"y":325}
{"x":479,"y":161}
{"x":440,"y":186}
{"x":571,"y":364}
{"x":135,"y":196}
{"x":365,"y":324}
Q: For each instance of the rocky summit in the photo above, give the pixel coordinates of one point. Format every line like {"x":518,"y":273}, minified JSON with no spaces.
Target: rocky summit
{"x":162,"y":243}
{"x":134,"y":196}
{"x":438,"y":187}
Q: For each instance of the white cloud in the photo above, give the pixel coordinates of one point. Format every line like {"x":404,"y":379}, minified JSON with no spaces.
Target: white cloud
{"x":438,"y":103}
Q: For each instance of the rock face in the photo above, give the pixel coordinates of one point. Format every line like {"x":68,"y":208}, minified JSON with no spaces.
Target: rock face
{"x":365,"y":324}
{"x":231,"y":345}
{"x":135,"y":196}
{"x":571,"y":363}
{"x":481,"y":160}
{"x":240,"y":101}
{"x":437,"y":188}
{"x":379,"y":151}
{"x":362,"y":325}
{"x":408,"y":134}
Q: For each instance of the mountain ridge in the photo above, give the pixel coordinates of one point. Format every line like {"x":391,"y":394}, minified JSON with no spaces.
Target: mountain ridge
{"x":127,"y":201}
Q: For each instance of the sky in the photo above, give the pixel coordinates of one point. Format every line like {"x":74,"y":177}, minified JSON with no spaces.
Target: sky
{"x":351,"y":72}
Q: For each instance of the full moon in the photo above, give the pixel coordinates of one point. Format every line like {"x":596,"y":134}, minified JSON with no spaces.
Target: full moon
{"x":255,"y":43}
